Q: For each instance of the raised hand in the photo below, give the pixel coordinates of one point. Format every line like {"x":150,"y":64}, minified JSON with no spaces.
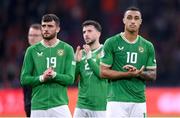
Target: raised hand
{"x":78,"y":54}
{"x":88,"y":51}
{"x":87,"y":48}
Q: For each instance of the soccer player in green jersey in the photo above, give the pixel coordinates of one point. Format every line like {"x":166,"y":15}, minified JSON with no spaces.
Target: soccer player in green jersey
{"x":49,"y":67}
{"x":34,"y":36}
{"x":128,"y":62}
{"x":92,"y":89}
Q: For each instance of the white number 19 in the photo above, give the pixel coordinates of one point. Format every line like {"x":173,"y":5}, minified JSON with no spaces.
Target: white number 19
{"x":51,"y":62}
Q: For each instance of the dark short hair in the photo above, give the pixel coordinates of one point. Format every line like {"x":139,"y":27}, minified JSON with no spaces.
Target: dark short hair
{"x":132,"y":8}
{"x":94,"y":23}
{"x":51,"y":17}
{"x":36,"y":26}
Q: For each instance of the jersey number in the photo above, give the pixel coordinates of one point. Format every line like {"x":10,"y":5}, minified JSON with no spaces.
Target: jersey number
{"x":87,"y":65}
{"x":51,"y":62}
{"x":131,"y":57}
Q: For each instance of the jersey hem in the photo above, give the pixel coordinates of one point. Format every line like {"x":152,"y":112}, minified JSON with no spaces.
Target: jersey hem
{"x":90,"y":108}
{"x":45,"y":108}
{"x":116,"y":100}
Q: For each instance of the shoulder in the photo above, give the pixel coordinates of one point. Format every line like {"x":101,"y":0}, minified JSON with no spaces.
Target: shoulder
{"x":66,"y":45}
{"x":31,"y":47}
{"x":145,"y":41}
{"x":36,"y":46}
{"x":112,"y":39}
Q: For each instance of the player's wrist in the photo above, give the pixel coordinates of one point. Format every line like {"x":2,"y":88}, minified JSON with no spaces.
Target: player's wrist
{"x":54,"y":75}
{"x":41,"y":78}
{"x":89,"y":55}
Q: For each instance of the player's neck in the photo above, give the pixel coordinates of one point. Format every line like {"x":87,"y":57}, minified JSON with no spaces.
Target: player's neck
{"x":95,"y":45}
{"x":131,"y":37}
{"x":50,"y":42}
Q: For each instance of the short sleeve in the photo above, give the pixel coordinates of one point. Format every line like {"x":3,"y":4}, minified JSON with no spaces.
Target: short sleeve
{"x":151,"y":63}
{"x":107,"y":57}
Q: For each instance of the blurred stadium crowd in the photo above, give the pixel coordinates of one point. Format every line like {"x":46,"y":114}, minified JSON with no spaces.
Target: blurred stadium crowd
{"x":160,"y":25}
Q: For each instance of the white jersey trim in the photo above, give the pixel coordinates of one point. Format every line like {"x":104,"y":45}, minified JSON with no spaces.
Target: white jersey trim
{"x":122,"y":35}
{"x":57,"y":41}
{"x":105,"y":64}
{"x":151,"y":67}
{"x":97,"y":49}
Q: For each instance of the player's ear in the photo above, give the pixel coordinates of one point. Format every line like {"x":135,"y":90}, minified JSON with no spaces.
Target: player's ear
{"x":124,"y":20}
{"x":140,"y":21}
{"x":58,"y":29}
{"x":99,"y":34}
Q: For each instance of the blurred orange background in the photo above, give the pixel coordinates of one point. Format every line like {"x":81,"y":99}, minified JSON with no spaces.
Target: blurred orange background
{"x":160,"y":101}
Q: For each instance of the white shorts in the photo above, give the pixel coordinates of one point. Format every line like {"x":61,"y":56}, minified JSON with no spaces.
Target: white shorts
{"x":60,"y":112}
{"x":81,"y":113}
{"x":125,"y":109}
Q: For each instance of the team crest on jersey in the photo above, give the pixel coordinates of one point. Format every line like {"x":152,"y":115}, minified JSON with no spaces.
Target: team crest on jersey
{"x":141,"y":49}
{"x":60,"y":52}
{"x":100,"y":55}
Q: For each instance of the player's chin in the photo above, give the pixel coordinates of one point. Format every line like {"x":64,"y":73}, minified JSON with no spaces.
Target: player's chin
{"x":88,"y":43}
{"x":133,"y":30}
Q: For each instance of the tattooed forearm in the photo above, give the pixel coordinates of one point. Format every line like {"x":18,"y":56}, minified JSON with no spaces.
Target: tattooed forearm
{"x":148,"y":74}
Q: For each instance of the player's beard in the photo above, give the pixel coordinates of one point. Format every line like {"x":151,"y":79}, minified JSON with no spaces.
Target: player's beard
{"x":132,"y":31}
{"x":91,"y":42}
{"x":49,"y":37}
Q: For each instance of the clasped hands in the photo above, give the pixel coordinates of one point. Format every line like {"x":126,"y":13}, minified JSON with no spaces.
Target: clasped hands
{"x":133,"y":71}
{"x":48,"y":74}
{"x":78,"y":54}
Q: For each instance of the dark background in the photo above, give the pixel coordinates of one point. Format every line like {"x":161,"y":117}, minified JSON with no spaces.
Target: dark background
{"x":161,"y":26}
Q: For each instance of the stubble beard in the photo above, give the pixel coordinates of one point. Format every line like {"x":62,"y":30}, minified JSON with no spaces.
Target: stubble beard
{"x":131,"y":31}
{"x":91,"y":43}
{"x":49,"y":37}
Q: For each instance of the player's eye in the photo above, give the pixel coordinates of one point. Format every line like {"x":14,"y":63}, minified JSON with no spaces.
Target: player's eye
{"x":136,"y":18}
{"x":89,"y":30}
{"x":50,"y":26}
{"x":129,"y":17}
{"x":43,"y":26}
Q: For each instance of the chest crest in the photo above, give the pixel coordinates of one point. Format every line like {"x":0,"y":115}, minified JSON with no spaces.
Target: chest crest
{"x":141,"y":49}
{"x":60,"y":52}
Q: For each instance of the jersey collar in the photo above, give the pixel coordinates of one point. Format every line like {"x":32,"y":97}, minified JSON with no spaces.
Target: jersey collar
{"x":94,"y":51}
{"x":122,"y":35}
{"x":57,"y":41}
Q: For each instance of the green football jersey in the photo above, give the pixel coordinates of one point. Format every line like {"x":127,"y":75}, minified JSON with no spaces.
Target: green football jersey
{"x":92,"y":90}
{"x":118,"y":52}
{"x":37,"y":59}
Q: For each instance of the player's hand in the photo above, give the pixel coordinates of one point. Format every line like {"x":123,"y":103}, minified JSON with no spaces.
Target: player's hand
{"x":136,"y":73}
{"x":78,"y":54}
{"x":87,"y":48}
{"x":48,"y":74}
{"x":130,"y":68}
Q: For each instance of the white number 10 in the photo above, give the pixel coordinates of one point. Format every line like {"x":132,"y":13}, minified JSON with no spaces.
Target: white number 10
{"x":131,"y":57}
